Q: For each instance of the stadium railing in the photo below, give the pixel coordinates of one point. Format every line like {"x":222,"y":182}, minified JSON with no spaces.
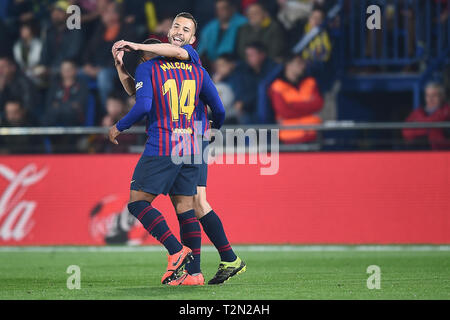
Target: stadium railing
{"x":371,"y":135}
{"x":326,"y":126}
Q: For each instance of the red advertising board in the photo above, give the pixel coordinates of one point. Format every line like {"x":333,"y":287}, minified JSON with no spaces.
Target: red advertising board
{"x":315,"y":198}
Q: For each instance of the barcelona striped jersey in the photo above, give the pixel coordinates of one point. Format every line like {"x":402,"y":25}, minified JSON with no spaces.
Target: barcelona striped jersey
{"x":168,"y":92}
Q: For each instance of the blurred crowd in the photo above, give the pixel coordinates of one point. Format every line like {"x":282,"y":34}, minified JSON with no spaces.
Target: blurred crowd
{"x":54,"y":75}
{"x":51,"y":75}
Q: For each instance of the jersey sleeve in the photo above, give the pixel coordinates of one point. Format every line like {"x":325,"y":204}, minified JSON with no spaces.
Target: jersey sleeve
{"x":143,"y":80}
{"x":144,"y":98}
{"x":194,"y":57}
{"x":210,"y":96}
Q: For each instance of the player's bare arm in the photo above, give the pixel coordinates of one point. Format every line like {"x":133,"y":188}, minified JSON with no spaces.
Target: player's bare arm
{"x":125,"y":78}
{"x":161,"y":49}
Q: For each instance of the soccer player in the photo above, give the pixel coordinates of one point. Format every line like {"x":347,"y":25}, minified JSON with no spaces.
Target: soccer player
{"x":181,"y":36}
{"x":125,"y":78}
{"x":167,"y":93}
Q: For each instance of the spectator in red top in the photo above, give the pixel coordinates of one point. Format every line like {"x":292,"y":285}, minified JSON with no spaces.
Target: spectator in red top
{"x":435,"y":110}
{"x":296,"y":99}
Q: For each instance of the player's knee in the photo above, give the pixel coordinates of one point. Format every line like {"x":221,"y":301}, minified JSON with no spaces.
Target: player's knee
{"x":140,"y":195}
{"x":182,"y":203}
{"x":201,"y":206}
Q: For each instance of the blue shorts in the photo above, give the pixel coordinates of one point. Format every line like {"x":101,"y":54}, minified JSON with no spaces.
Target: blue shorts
{"x":203,"y":168}
{"x":159,"y":175}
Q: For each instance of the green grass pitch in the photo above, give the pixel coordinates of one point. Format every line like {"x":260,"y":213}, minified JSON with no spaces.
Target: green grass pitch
{"x":274,"y":272}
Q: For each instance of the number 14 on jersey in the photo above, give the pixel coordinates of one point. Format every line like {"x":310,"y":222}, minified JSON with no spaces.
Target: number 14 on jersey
{"x":182,"y":103}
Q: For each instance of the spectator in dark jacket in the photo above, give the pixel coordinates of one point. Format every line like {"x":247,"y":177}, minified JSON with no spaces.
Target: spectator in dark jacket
{"x":219,"y":35}
{"x":97,"y":57}
{"x":435,"y":110}
{"x":256,"y":68}
{"x":227,"y":80}
{"x":262,"y":28}
{"x":60,"y":43}
{"x":67,"y":98}
{"x":15,"y":85}
{"x":17,"y":116}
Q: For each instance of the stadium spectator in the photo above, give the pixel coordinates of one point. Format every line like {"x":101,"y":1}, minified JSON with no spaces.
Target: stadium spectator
{"x":116,"y":108}
{"x":90,"y":13}
{"x":227,"y":80}
{"x":15,"y":85}
{"x":295,"y":98}
{"x":292,"y":11}
{"x":162,"y":30}
{"x":97,"y":56}
{"x":134,"y":12}
{"x":21,"y":11}
{"x":27,"y":51}
{"x":202,"y":11}
{"x":271,"y":5}
{"x":60,"y":43}
{"x":293,"y":16}
{"x":319,"y":49}
{"x":262,"y":28}
{"x":436,"y":110}
{"x":67,"y":98}
{"x":219,"y":35}
{"x":17,"y":116}
{"x":257,"y":66}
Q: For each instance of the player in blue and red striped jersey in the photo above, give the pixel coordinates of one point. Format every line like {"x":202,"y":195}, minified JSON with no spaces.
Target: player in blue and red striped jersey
{"x":167,"y":93}
{"x":230,"y":265}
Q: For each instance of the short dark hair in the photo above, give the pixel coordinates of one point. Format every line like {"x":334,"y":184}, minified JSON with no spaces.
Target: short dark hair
{"x":289,"y":57}
{"x":116,"y":96}
{"x":318,"y":8}
{"x":187,"y":15}
{"x":229,"y":57}
{"x":231,"y":3}
{"x":148,"y":41}
{"x":257,"y":45}
{"x":7,"y":58}
{"x":71,"y":61}
{"x":33,"y":26}
{"x":15,"y":101}
{"x":151,"y":41}
{"x":258,"y":4}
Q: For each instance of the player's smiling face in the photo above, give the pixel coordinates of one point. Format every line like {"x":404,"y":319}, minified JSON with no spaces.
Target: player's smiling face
{"x":182,"y":32}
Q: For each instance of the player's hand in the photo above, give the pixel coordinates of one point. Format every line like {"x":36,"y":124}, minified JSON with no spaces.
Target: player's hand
{"x":211,"y":131}
{"x":113,"y":134}
{"x":118,"y":56}
{"x":127,"y":46}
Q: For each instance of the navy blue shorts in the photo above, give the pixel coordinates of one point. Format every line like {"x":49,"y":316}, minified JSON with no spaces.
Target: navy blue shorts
{"x":159,"y":175}
{"x":203,"y":168}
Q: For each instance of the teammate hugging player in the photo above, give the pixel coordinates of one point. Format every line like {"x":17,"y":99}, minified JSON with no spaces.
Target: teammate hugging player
{"x":181,"y":36}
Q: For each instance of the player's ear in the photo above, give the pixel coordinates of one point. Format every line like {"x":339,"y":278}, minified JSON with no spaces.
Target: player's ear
{"x":193,"y":38}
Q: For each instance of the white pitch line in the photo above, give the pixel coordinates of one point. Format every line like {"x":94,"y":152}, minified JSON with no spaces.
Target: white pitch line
{"x":238,"y":248}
